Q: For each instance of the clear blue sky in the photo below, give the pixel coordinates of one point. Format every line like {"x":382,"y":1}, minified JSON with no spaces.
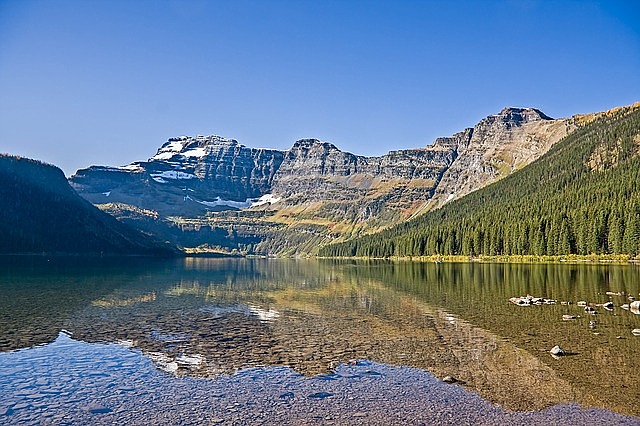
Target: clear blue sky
{"x":108,"y":81}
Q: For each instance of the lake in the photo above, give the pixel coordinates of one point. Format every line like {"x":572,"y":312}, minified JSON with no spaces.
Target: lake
{"x":265,"y":341}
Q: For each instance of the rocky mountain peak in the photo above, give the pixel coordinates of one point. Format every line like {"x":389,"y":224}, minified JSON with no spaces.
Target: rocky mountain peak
{"x":189,"y":147}
{"x":495,"y":147}
{"x":510,"y":118}
{"x":522,"y":115}
{"x":313,"y":144}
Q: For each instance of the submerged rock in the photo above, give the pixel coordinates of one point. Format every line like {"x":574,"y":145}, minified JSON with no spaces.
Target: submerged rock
{"x":320,"y":395}
{"x":450,"y":380}
{"x":531,"y":300}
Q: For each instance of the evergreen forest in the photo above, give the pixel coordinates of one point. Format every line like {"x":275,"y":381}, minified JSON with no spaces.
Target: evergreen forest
{"x":41,"y":213}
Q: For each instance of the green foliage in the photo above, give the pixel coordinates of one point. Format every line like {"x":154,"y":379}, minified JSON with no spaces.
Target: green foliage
{"x":582,"y":197}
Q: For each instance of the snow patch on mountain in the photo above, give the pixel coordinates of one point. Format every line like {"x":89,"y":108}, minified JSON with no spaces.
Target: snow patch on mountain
{"x":265,"y":199}
{"x":132,"y":168}
{"x":173,"y":174}
{"x":218,"y":202}
{"x":196,"y":152}
{"x":168,"y":150}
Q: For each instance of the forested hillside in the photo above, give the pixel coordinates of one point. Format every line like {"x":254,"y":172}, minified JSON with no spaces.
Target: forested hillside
{"x":582,"y":197}
{"x":40,"y":212}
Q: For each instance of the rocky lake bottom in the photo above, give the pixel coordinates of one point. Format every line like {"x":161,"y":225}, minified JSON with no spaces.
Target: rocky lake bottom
{"x":254,"y":341}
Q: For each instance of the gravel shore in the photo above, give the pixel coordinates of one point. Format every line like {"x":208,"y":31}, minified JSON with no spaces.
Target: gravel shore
{"x":71,"y":382}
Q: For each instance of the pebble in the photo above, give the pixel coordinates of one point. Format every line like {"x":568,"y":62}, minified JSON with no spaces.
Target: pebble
{"x":97,"y":409}
{"x":287,"y":396}
{"x":320,"y":395}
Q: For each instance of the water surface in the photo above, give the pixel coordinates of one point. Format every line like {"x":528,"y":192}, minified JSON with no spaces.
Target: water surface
{"x":277,"y":328}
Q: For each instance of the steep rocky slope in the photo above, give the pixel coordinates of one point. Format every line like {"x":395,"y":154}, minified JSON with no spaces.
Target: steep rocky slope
{"x":497,"y":146}
{"x":270,"y":201}
{"x":187,"y":177}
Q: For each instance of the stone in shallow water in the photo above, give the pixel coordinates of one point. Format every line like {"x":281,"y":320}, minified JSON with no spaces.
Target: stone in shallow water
{"x":287,"y":396}
{"x":557,"y":351}
{"x":320,"y":395}
{"x":97,"y":409}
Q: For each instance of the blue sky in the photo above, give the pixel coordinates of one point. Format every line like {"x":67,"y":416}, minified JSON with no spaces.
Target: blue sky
{"x":107,"y":82}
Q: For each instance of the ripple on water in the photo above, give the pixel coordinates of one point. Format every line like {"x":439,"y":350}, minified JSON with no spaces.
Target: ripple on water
{"x":103,"y":389}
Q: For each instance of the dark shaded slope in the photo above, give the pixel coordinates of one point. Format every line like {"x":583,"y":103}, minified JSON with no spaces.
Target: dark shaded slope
{"x":40,"y":212}
{"x":582,"y":197}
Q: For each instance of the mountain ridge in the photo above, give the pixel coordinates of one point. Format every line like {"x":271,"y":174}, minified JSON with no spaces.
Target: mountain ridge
{"x":314,"y":192}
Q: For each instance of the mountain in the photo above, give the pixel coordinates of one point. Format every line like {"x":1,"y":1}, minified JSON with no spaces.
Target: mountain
{"x":215,"y":193}
{"x":497,"y":146}
{"x":42,"y":213}
{"x":186,"y":177}
{"x":582,"y":197}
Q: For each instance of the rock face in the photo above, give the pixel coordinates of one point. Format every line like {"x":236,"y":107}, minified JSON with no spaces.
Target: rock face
{"x":316,"y":188}
{"x":315,"y":171}
{"x":497,"y":146}
{"x":187,"y":177}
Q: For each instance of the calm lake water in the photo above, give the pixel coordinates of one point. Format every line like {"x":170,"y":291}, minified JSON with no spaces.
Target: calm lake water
{"x":237,"y":341}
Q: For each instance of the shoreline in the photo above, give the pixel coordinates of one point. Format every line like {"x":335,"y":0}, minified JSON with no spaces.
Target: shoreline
{"x":525,"y":259}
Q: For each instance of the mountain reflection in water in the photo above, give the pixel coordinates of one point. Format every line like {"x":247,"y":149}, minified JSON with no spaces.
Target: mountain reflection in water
{"x":207,"y":317}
